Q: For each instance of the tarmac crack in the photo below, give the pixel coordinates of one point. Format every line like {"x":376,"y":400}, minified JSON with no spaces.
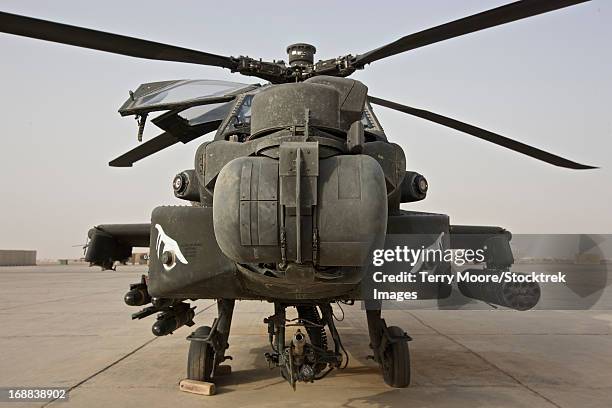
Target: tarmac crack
{"x":490,"y":363}
{"x":120,"y":359}
{"x":57,"y":300}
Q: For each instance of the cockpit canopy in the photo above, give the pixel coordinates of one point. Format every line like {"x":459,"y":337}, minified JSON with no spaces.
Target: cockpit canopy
{"x":192,"y":108}
{"x":166,"y":95}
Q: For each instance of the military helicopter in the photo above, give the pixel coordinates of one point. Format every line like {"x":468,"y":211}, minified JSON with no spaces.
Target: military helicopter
{"x":287,"y":201}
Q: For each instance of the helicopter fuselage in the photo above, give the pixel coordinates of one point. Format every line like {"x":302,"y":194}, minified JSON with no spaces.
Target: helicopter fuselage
{"x":288,"y":200}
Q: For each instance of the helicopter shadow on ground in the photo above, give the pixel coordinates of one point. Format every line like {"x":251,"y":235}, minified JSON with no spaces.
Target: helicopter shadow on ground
{"x":397,"y":398}
{"x":437,"y":361}
{"x":259,"y":371}
{"x":437,"y":368}
{"x":454,"y":378}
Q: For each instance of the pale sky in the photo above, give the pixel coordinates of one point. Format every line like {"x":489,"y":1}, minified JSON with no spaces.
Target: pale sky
{"x":545,"y":81}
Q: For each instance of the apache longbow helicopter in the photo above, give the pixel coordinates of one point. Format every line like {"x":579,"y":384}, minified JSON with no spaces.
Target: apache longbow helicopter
{"x":298,"y":185}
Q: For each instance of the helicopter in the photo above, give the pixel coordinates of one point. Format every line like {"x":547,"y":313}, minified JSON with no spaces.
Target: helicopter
{"x":299,"y":184}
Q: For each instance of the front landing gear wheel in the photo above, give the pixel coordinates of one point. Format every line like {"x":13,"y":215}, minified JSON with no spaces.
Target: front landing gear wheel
{"x":201,"y":357}
{"x":396,"y":360}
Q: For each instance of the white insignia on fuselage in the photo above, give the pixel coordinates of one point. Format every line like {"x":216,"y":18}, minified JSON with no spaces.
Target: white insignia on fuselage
{"x":169,"y":245}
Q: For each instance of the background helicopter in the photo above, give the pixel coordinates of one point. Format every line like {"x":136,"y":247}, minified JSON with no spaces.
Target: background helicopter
{"x":357,"y":127}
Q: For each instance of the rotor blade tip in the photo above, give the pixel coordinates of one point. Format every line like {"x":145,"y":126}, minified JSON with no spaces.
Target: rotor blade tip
{"x":115,"y":163}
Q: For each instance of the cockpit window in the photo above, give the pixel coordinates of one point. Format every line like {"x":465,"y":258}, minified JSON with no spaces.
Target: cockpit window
{"x":243,"y":115}
{"x":197,"y":115}
{"x":172,"y":94}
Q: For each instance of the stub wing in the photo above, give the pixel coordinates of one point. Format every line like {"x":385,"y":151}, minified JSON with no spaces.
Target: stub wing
{"x":110,"y":243}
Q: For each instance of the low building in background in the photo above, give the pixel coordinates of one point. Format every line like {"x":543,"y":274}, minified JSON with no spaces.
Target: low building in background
{"x":139,"y":258}
{"x":17,"y":257}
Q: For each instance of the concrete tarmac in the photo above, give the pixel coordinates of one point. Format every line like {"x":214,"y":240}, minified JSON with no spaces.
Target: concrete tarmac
{"x":67,"y":326}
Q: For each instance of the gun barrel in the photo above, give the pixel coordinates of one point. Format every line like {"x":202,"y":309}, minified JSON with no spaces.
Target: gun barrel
{"x":515,"y":295}
{"x":299,"y":340}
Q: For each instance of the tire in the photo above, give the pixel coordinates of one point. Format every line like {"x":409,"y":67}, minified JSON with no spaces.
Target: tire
{"x":396,"y":361}
{"x":201,"y":357}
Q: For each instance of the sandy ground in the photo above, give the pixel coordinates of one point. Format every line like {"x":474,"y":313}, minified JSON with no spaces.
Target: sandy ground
{"x":68,"y":327}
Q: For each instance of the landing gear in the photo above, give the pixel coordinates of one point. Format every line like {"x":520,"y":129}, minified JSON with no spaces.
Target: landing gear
{"x":390,"y":347}
{"x":208,"y":344}
{"x":303,"y":359}
{"x":396,"y":360}
{"x":201,"y":357}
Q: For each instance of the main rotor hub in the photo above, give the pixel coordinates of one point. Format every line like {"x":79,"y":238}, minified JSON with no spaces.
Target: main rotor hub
{"x":301,"y":54}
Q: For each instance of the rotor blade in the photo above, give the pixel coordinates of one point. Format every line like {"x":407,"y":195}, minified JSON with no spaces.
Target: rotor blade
{"x":487,"y":19}
{"x":102,"y":41}
{"x":483,"y":134}
{"x":146,"y":149}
